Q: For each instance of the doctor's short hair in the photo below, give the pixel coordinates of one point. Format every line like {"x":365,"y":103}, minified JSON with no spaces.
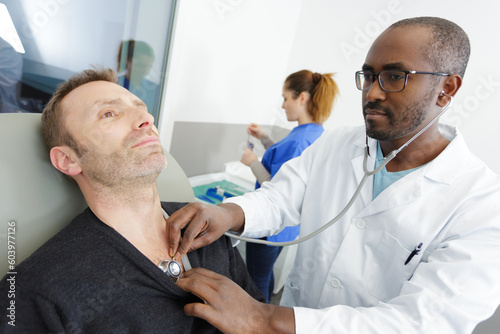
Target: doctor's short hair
{"x":53,"y":130}
{"x":322,"y":89}
{"x":448,"y":49}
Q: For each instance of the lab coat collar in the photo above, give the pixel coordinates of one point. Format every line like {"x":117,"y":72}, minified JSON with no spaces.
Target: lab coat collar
{"x":447,"y":166}
{"x":444,"y":169}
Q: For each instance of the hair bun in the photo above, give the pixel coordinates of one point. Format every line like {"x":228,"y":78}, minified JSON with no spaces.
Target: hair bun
{"x":316,"y":77}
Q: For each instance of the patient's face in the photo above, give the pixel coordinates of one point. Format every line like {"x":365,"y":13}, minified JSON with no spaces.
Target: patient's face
{"x":116,"y":133}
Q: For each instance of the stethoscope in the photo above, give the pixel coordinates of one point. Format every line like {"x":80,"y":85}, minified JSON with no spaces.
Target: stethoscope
{"x":367,"y":174}
{"x":172,"y":268}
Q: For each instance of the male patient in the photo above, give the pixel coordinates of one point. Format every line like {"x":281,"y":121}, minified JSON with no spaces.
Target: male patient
{"x":100,"y":274}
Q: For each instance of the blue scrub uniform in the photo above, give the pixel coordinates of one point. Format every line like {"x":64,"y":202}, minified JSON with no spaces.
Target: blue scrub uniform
{"x":261,"y":258}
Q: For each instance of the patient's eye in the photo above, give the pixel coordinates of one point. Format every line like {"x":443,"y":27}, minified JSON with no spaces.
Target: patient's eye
{"x":108,"y":114}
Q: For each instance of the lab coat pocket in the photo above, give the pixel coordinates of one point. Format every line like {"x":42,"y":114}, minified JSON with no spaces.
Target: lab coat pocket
{"x":387,"y":271}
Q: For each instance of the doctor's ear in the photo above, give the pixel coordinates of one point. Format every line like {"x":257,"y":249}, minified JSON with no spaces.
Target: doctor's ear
{"x":450,"y":87}
{"x":64,"y":159}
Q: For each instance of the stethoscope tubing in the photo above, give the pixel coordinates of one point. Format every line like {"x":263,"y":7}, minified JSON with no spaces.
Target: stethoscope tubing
{"x":367,"y":174}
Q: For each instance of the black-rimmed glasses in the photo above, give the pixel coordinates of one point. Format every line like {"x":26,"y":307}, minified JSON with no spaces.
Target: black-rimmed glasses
{"x":389,"y":80}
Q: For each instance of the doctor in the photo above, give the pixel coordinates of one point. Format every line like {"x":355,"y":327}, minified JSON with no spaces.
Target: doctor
{"x":419,"y":250}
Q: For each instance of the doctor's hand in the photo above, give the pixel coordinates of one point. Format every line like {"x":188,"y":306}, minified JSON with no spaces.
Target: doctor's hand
{"x":229,"y":308}
{"x":204,"y":224}
{"x":248,"y":157}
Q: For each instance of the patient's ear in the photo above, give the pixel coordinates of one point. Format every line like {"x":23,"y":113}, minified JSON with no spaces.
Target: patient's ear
{"x":64,"y":159}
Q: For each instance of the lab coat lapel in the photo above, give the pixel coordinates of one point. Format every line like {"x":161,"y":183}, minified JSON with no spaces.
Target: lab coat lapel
{"x":401,"y":192}
{"x":410,"y":187}
{"x":405,"y":190}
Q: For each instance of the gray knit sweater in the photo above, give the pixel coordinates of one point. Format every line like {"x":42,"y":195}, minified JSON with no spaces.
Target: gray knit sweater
{"x":89,"y":279}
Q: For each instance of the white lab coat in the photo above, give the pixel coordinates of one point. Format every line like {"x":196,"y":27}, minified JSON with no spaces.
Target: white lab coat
{"x":352,"y":278}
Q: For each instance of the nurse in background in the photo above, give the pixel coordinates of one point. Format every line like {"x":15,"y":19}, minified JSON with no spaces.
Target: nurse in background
{"x":307,"y":99}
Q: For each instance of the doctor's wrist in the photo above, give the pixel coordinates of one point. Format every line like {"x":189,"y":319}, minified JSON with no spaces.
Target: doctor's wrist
{"x":235,"y":217}
{"x":277,"y":319}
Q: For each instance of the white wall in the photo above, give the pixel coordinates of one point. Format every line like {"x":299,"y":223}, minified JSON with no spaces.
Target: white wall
{"x":228,"y":61}
{"x":230,"y":58}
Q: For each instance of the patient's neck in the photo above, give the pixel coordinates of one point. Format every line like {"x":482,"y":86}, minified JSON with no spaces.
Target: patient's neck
{"x":134,"y":212}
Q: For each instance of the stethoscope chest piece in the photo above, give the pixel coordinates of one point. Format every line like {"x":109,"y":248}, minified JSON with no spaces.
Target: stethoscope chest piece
{"x":171,"y":267}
